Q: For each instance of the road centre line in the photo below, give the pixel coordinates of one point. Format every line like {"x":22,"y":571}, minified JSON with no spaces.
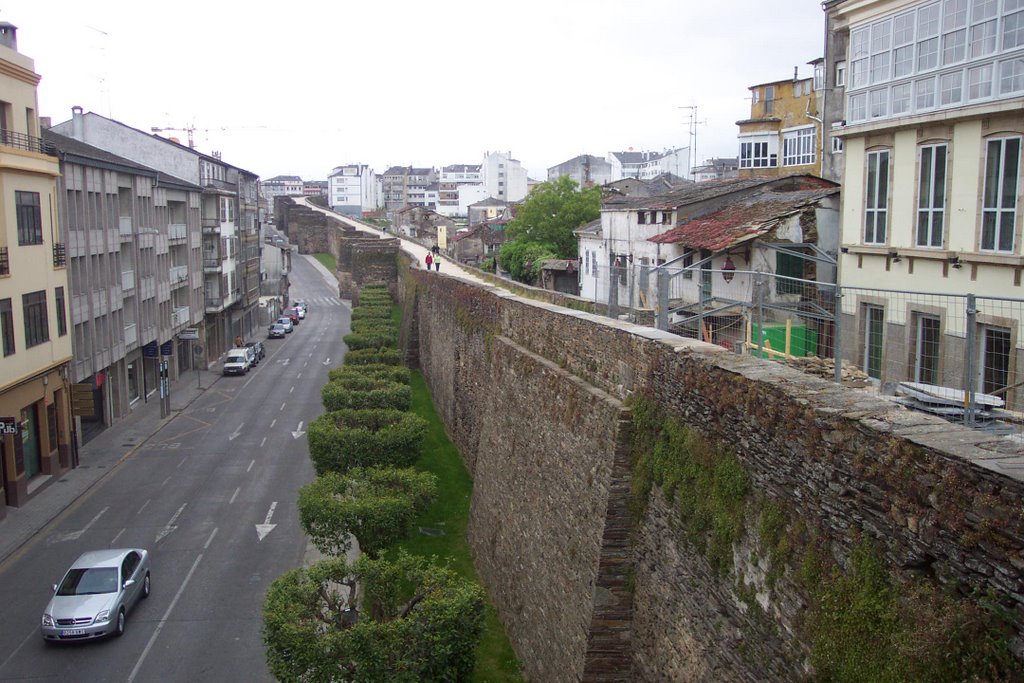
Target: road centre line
{"x":234,"y":495}
{"x":263,"y":442}
{"x":292,"y":390}
{"x":206,"y":546}
{"x":160,"y":625}
{"x":33,"y":634}
{"x":181,"y":463}
{"x":283,"y":405}
{"x":164,"y":482}
{"x":251,"y":463}
{"x":273,"y":422}
{"x":114,"y":539}
{"x":143,"y":507}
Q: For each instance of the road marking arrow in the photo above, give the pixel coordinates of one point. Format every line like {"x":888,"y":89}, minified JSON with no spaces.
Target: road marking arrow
{"x":298,"y":431}
{"x":286,"y":361}
{"x":237,"y":433}
{"x":75,"y":535}
{"x":327,"y":362}
{"x":171,"y":526}
{"x":263,"y":529}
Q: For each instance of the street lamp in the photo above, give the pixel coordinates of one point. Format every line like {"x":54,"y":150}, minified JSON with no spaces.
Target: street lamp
{"x":728,"y":269}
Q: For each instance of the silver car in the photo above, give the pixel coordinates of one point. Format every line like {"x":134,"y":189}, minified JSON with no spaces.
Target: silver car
{"x":92,"y":599}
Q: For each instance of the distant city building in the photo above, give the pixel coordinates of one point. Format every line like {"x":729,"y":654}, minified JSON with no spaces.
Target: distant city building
{"x":504,"y":177}
{"x":647,"y":165}
{"x":459,"y":186}
{"x":399,"y":183}
{"x":586,"y":170}
{"x":782,"y":135}
{"x":716,"y":169}
{"x":314,"y":188}
{"x":352,"y":190}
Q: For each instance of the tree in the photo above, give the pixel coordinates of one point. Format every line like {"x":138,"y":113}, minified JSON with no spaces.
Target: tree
{"x":401,"y":620}
{"x":552,"y":211}
{"x":376,"y":505}
{"x":523,"y":259}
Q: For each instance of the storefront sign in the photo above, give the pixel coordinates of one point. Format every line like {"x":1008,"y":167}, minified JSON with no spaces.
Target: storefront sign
{"x":8,"y":426}
{"x":167,"y":348}
{"x":150,"y":350}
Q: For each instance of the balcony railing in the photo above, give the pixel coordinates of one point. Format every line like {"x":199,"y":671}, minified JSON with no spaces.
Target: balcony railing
{"x":212,"y":264}
{"x":60,"y":255}
{"x":124,"y":226}
{"x":5,"y":262}
{"x":214,"y":303}
{"x":131,"y":334}
{"x":29,"y":143}
{"x":181,"y":315}
{"x":178,"y":274}
{"x":177,"y":231}
{"x":127,"y":280}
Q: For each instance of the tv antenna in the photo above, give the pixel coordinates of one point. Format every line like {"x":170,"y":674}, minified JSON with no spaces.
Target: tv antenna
{"x":691,"y":118}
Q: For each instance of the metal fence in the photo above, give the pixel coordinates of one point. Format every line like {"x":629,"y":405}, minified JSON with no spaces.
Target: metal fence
{"x":959,"y":356}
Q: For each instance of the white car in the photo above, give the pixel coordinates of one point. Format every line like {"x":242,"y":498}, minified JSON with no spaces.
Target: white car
{"x":238,"y":361}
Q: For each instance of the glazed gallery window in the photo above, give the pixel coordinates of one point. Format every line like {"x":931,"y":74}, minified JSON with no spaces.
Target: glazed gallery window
{"x":874,"y":322}
{"x":758,"y":153}
{"x":931,"y":196}
{"x":798,"y":147}
{"x":37,"y":326}
{"x":926,"y":349}
{"x":876,"y":207}
{"x":999,"y":207}
{"x":30,"y":221}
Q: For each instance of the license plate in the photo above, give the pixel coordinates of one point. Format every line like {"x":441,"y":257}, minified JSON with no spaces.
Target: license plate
{"x":72,"y":632}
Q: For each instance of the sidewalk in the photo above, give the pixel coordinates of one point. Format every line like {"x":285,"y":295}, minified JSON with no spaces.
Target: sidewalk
{"x":96,"y":460}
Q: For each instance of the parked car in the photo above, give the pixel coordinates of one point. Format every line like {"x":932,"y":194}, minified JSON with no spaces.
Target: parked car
{"x":301,"y":303}
{"x":257,"y":350}
{"x":276,"y":331}
{"x":302,"y":312}
{"x":238,"y":361}
{"x":96,"y":593}
{"x":291,"y":313}
{"x":286,"y":322}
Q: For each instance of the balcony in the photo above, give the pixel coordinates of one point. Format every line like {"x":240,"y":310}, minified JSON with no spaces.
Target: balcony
{"x":177,"y":232}
{"x":131,"y":335}
{"x":26,"y":142}
{"x":60,"y":255}
{"x":212,"y":265}
{"x":211,"y":226}
{"x":5,"y":262}
{"x":179,"y":275}
{"x":214,"y":304}
{"x":127,"y":280}
{"x":182,"y":315}
{"x":124,"y":227}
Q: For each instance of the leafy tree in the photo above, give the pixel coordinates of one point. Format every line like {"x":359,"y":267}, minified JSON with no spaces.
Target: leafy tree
{"x":376,"y":505}
{"x":403,"y":620}
{"x":551,"y":212}
{"x":523,"y":259}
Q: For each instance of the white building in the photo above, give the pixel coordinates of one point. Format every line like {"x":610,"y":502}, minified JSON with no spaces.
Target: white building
{"x":459,"y":185}
{"x":586,"y":169}
{"x":503,"y":177}
{"x":647,"y":165}
{"x":352,"y":189}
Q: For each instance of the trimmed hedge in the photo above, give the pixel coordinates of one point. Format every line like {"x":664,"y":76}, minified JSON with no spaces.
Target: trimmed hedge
{"x":377,"y":312}
{"x":371,"y":341}
{"x":392,"y":373}
{"x":343,"y":439}
{"x":363,"y":393}
{"x":373,"y":357}
{"x":376,"y":505}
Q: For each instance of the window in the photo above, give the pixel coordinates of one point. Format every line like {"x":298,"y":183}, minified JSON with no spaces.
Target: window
{"x":769,"y":98}
{"x":878,"y":103}
{"x":901,"y":98}
{"x":926,"y":349}
{"x":876,"y":209}
{"x":837,"y":144}
{"x":858,"y":110}
{"x":758,"y":152}
{"x":874,"y":321}
{"x":62,"y":322}
{"x":1002,"y":178}
{"x":931,"y":197}
{"x":37,"y":327}
{"x":954,"y":30}
{"x":979,"y":82}
{"x":1013,"y":27}
{"x":30,"y":221}
{"x":819,"y":76}
{"x":641,"y":218}
{"x":924,"y":90}
{"x":688,"y":264}
{"x":798,"y":147}
{"x":1011,"y":76}
{"x":994,"y":367}
{"x":840,"y":74}
{"x":788,"y":265}
{"x":7,"y":326}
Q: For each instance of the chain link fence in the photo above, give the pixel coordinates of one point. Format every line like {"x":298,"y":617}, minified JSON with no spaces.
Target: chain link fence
{"x":952,"y":355}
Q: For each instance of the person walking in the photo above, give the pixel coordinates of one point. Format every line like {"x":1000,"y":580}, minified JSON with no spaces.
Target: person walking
{"x":430,"y":260}
{"x":437,"y":262}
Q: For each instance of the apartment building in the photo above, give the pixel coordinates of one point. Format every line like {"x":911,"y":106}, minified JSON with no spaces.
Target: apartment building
{"x":782,"y":136}
{"x":36,"y":426}
{"x":353,"y":189}
{"x":932,"y":189}
{"x":405,"y":185}
{"x":459,"y":185}
{"x":586,"y":169}
{"x":503,"y":177}
{"x":647,"y":165}
{"x":136,"y":277}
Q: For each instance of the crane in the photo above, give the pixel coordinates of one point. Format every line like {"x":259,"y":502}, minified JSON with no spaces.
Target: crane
{"x":189,"y":130}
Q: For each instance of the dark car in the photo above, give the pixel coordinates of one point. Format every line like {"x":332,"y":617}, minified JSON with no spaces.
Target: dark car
{"x":276,"y":331}
{"x":257,"y":350}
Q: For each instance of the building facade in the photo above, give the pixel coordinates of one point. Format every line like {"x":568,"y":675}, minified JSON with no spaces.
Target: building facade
{"x":586,"y":169}
{"x":36,"y":429}
{"x":352,"y":190}
{"x":503,"y":177}
{"x":932,"y":189}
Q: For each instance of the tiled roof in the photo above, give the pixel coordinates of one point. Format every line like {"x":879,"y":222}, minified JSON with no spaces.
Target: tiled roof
{"x":490,"y":201}
{"x":591,"y":229}
{"x":284,"y":179}
{"x":699,"y":192}
{"x":462,"y":168}
{"x":746,"y":218}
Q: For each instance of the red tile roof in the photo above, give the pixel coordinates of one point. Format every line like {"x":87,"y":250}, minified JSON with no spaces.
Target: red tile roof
{"x":746,"y":218}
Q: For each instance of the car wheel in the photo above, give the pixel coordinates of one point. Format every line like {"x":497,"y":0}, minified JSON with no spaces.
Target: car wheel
{"x":119,"y":628}
{"x":145,"y":587}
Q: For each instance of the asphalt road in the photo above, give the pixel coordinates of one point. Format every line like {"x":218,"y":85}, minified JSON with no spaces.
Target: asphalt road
{"x":212,"y":496}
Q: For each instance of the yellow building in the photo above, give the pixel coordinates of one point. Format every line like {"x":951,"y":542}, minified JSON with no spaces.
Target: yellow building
{"x":783,"y":134}
{"x":932,"y":190}
{"x":35,"y":347}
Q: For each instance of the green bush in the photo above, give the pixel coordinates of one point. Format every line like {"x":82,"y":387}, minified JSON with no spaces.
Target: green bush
{"x":375,"y":505}
{"x":344,"y":439}
{"x":373,"y":357}
{"x":393,"y":373}
{"x":416,"y":622}
{"x":381,"y":312}
{"x":374,"y":326}
{"x":363,"y":393}
{"x":357,"y":341}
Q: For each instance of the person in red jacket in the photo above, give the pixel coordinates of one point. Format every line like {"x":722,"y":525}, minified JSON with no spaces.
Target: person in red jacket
{"x":430,"y":260}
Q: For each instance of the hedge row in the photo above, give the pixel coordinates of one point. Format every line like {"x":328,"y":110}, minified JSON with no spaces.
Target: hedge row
{"x":393,"y":373}
{"x":377,"y":311}
{"x":343,"y":439}
{"x":365,"y":393}
{"x":357,"y":341}
{"x":374,"y":325}
{"x":373,"y":357}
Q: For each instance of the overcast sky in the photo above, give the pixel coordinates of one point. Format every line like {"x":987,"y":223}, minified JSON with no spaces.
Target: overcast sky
{"x":299,"y":87}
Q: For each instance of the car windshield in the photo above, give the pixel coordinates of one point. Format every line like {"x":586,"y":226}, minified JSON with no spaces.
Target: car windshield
{"x":237,"y":356}
{"x":92,"y":581}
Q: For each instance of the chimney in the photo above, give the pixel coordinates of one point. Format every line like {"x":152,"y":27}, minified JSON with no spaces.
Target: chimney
{"x":77,"y":124}
{"x":795,"y":70}
{"x":9,"y":35}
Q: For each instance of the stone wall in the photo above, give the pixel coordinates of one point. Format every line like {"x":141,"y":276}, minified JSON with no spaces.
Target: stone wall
{"x":532,"y":393}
